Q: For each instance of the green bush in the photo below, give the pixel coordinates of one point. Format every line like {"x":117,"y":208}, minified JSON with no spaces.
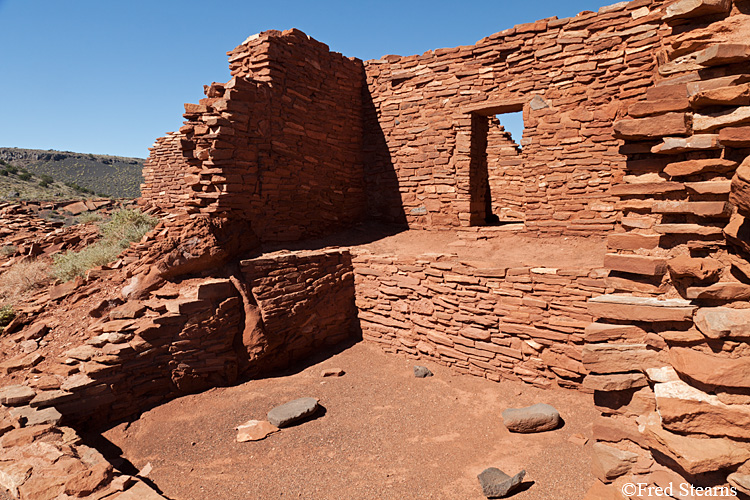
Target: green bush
{"x":123,"y":227}
{"x":6,"y":315}
{"x":43,"y":184}
{"x":4,"y":172}
{"x":46,"y":178}
{"x":25,"y":176}
{"x":11,"y":169}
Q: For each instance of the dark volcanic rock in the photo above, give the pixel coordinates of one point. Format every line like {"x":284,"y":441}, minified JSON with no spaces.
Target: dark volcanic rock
{"x":293,"y":411}
{"x":497,"y":484}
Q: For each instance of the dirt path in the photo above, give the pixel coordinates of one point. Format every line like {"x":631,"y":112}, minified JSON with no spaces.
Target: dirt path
{"x":384,"y":435}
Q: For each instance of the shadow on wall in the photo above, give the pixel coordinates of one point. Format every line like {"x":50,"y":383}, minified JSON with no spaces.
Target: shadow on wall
{"x":381,"y":183}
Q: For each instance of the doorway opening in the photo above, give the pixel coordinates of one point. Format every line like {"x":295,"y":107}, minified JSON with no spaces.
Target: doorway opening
{"x":497,"y":191}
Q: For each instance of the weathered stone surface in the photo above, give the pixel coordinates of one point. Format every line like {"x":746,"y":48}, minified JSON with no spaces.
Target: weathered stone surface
{"x":614,"y":381}
{"x":726,"y":53}
{"x":709,"y":187}
{"x":619,"y":358}
{"x":86,"y":482}
{"x":737,"y":232}
{"x":735,"y":137}
{"x":536,"y":418}
{"x":292,"y":412}
{"x":646,"y":108}
{"x":711,"y":369}
{"x":727,"y":291}
{"x":740,"y":481}
{"x":696,"y":455}
{"x":736,"y":95}
{"x":255,"y":430}
{"x":656,"y":126}
{"x":130,"y":310}
{"x":422,"y":371}
{"x":677,"y":145}
{"x":699,"y":208}
{"x":20,"y":363}
{"x":721,"y":322}
{"x":646,"y":188}
{"x":632,"y":241}
{"x":37,"y":331}
{"x":602,"y":332}
{"x":636,"y":264}
{"x":710,"y":121}
{"x":684,"y":266}
{"x":692,"y":167}
{"x":685,"y":9}
{"x":688,"y":229}
{"x":497,"y":484}
{"x":608,"y":463}
{"x":626,"y":307}
{"x":33,"y":416}
{"x":16,"y":395}
{"x":739,"y":195}
{"x":687,"y":410}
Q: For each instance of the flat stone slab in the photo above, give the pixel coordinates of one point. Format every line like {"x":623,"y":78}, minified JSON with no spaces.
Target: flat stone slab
{"x":293,"y":411}
{"x":16,"y":395}
{"x":422,"y":371}
{"x":255,"y":430}
{"x":34,"y":416}
{"x":497,"y":484}
{"x":536,"y":418}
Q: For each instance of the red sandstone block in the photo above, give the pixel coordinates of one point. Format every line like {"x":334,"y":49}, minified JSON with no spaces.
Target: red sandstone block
{"x":646,"y":108}
{"x":729,"y":53}
{"x":658,"y":126}
{"x":737,"y":137}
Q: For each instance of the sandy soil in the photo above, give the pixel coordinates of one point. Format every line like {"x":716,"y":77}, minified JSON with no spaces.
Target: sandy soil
{"x":384,"y":435}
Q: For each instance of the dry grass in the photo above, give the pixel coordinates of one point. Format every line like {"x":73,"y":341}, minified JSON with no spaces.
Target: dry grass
{"x":21,"y":279}
{"x":123,"y":227}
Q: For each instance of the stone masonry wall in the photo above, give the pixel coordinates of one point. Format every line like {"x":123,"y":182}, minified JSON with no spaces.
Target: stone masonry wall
{"x":164,"y":173}
{"x":668,"y":354}
{"x":306,"y":301}
{"x":571,"y":77}
{"x":518,"y":323}
{"x":280,"y":144}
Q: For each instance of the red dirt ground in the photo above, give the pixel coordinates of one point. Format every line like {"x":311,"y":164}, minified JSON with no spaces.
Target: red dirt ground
{"x":385,"y":435}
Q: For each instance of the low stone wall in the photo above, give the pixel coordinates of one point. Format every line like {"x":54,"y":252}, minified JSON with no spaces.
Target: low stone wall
{"x":306,"y":301}
{"x":500,"y":323}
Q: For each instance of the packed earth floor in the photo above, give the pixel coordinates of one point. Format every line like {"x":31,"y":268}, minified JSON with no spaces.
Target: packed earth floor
{"x":384,"y":434}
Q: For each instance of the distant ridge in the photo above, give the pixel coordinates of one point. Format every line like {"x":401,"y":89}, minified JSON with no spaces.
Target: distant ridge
{"x":113,"y":176}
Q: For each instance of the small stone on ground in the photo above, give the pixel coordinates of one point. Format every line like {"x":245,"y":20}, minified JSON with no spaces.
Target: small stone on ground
{"x":255,"y":430}
{"x":536,"y":418}
{"x":292,"y":412}
{"x":497,"y":484}
{"x":422,"y":371}
{"x":332,"y":372}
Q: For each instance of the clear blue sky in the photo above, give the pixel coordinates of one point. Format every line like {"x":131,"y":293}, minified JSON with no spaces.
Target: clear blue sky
{"x":109,"y":77}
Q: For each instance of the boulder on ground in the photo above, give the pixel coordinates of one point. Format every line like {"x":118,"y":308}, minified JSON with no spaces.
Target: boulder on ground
{"x":292,"y":412}
{"x":536,"y":418}
{"x":422,"y":371}
{"x":497,"y":484}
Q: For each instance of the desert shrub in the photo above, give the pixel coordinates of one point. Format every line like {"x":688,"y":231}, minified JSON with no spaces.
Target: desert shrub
{"x":4,"y":173}
{"x":25,"y":176}
{"x":43,"y":184}
{"x":22,"y":278}
{"x":6,"y":315}
{"x":11,"y":169}
{"x":123,"y":227}
{"x":88,"y":218}
{"x":8,"y":250}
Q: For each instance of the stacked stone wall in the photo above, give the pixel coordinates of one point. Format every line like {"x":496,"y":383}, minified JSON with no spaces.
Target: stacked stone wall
{"x":571,"y":77}
{"x":668,"y":353}
{"x":163,"y":173}
{"x":500,"y":323}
